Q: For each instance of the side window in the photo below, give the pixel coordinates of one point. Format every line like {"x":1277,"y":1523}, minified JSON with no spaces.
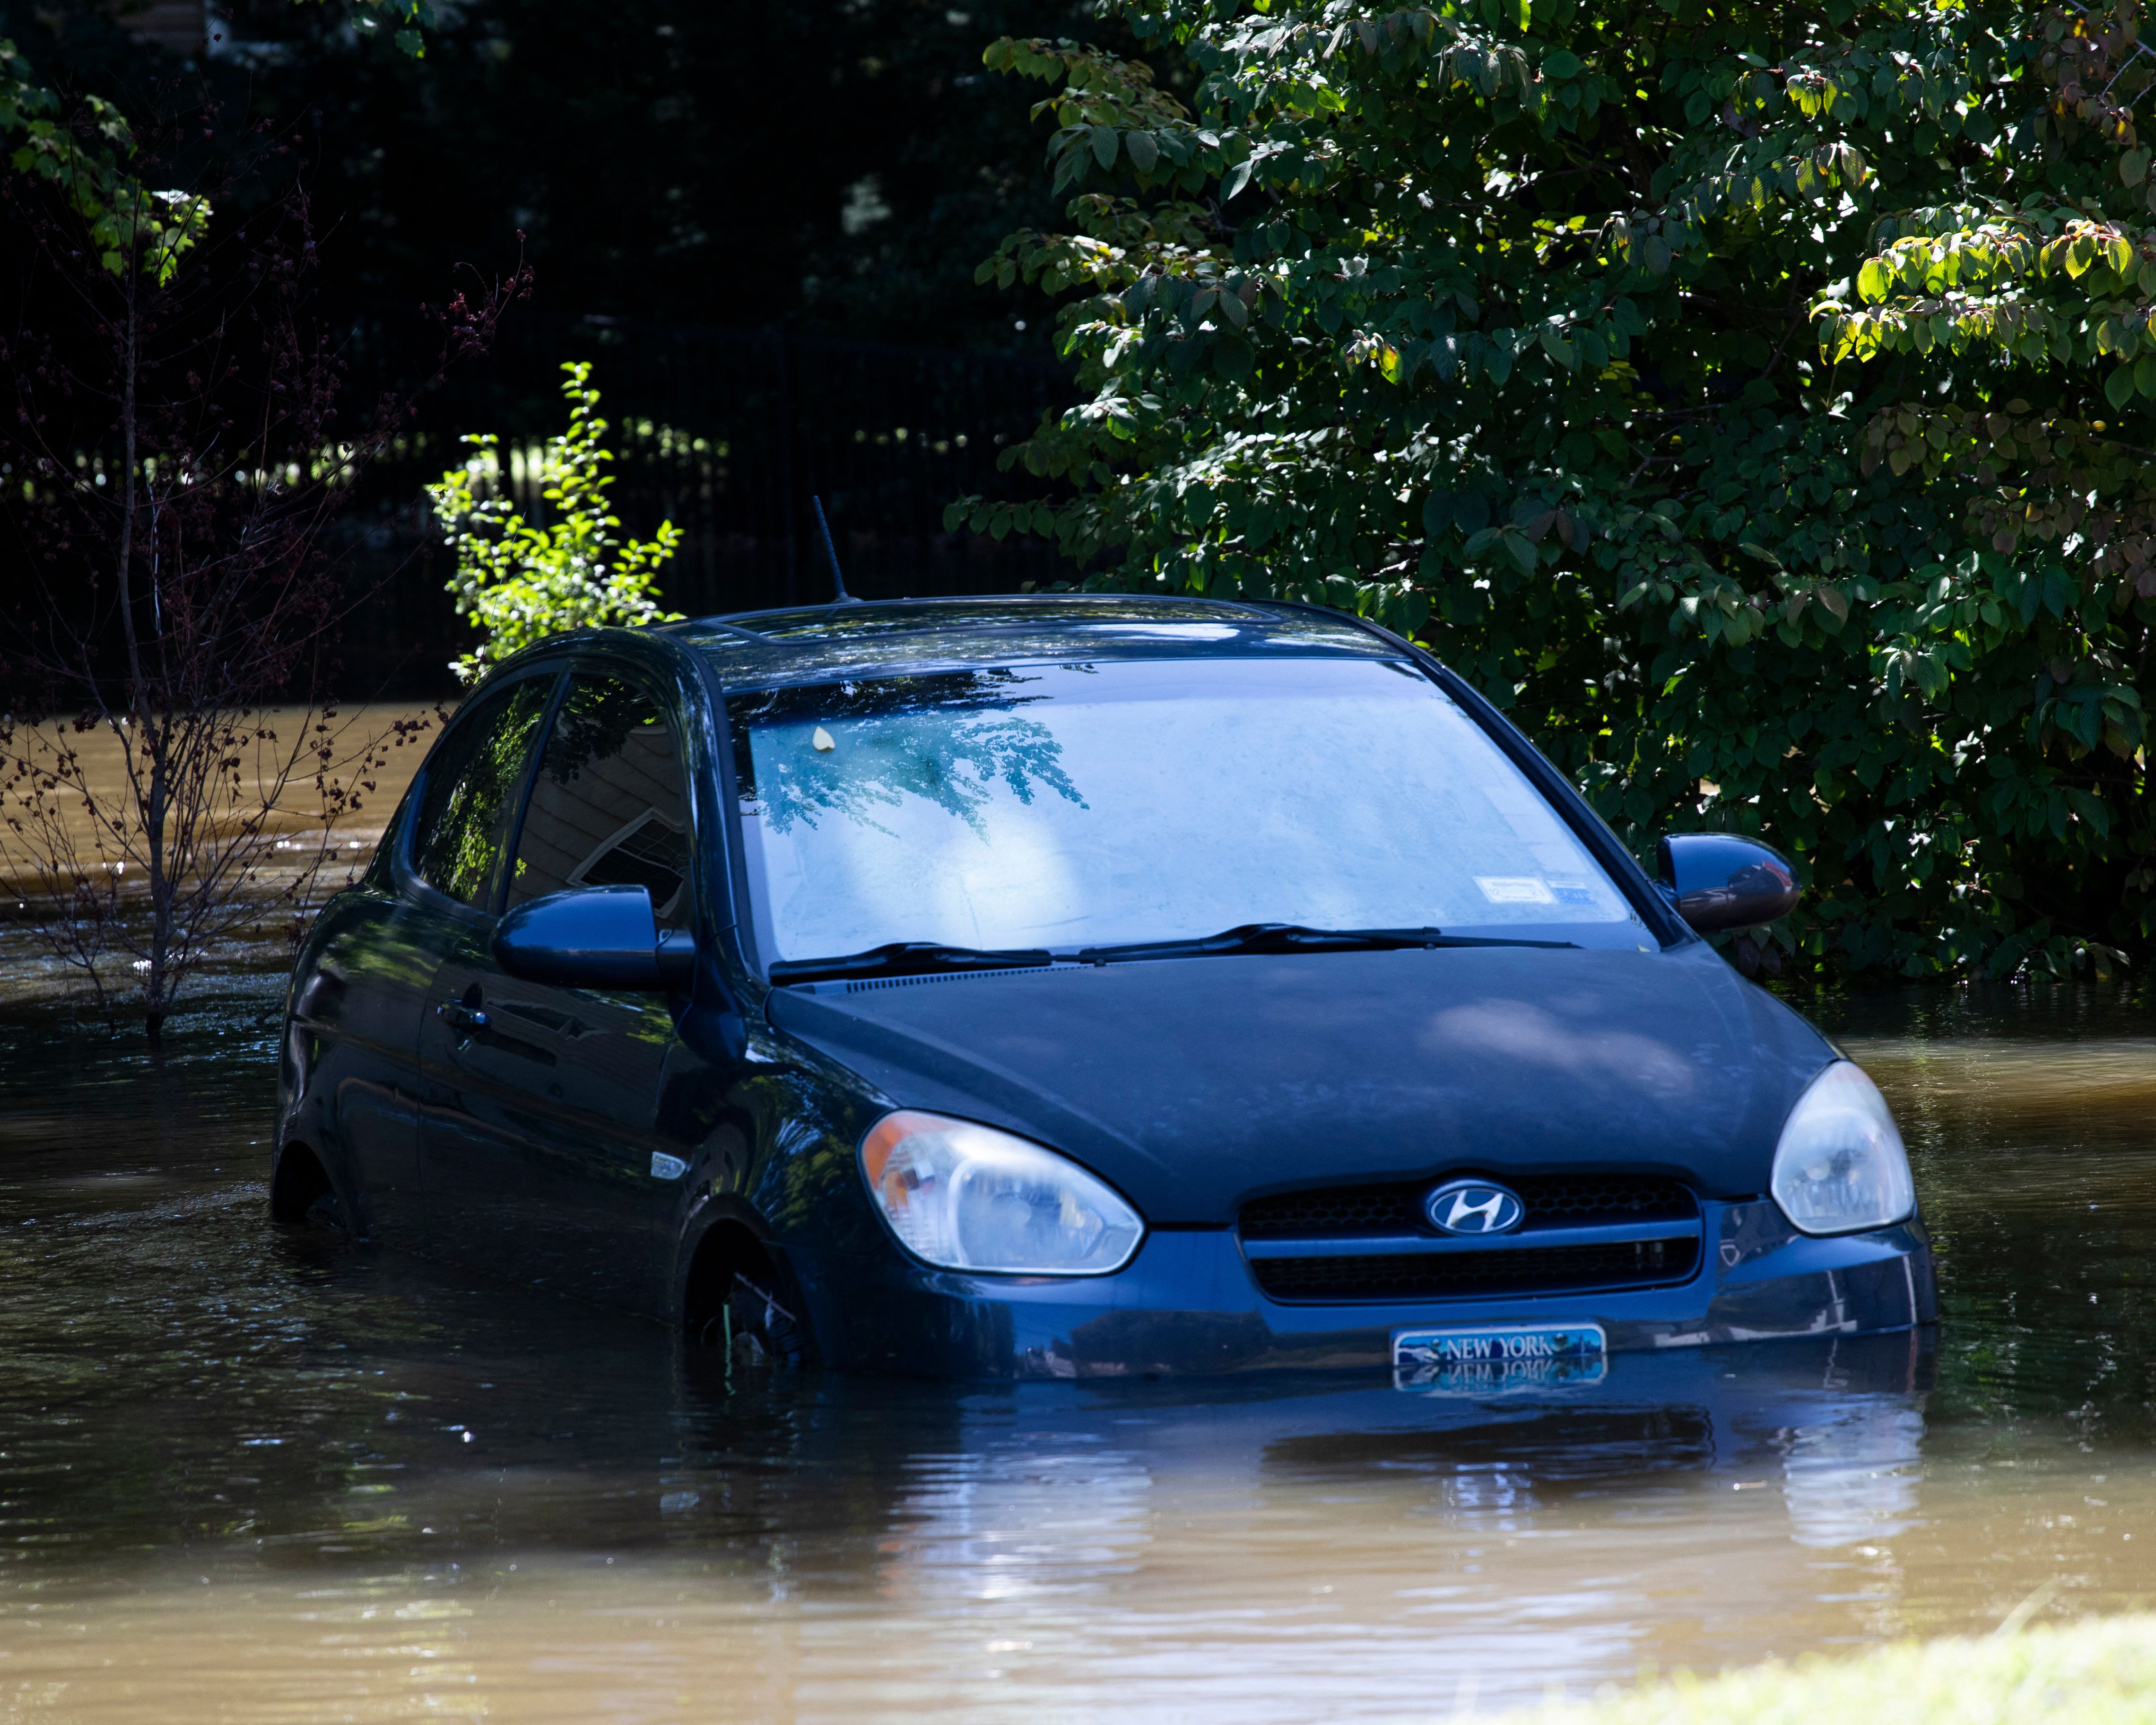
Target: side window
{"x":471,"y":790}
{"x":610,"y":807}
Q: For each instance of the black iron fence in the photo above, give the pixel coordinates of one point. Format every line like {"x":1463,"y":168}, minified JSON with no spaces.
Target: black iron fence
{"x":725,"y":432}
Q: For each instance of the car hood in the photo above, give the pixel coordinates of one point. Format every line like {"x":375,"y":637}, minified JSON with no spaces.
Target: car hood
{"x":1195,"y":1084}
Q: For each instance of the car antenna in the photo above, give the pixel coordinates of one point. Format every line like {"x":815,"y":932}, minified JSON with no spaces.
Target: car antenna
{"x":841,"y":597}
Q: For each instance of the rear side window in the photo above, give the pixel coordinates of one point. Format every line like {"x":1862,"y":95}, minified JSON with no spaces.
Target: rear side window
{"x":610,"y":807}
{"x":471,"y":790}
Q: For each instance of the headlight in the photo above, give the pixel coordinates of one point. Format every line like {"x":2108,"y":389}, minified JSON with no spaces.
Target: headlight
{"x":1840,"y":1168}
{"x":968,"y":1197}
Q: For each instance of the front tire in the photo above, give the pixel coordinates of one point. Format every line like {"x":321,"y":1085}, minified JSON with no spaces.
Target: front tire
{"x":739,"y":1305}
{"x":762,"y":1332}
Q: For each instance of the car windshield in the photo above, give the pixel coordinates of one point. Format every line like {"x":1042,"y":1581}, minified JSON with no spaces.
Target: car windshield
{"x":1064,"y":806}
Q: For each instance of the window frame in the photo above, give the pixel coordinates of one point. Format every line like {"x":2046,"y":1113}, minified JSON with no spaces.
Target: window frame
{"x":405,"y":870}
{"x":640,"y":677}
{"x":693,"y":694}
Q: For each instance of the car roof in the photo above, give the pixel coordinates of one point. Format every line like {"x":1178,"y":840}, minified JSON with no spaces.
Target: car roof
{"x":813,"y":644}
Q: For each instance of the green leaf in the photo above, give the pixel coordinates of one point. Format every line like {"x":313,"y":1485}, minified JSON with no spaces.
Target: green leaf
{"x":2090,"y":809}
{"x":1105,"y":138}
{"x":1143,"y":148}
{"x":1565,"y":63}
{"x":1232,"y":358}
{"x":2133,"y":167}
{"x":2118,"y":387}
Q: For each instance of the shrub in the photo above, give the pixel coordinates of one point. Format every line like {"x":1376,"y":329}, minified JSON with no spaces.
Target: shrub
{"x":1755,"y":400}
{"x":519,"y":582}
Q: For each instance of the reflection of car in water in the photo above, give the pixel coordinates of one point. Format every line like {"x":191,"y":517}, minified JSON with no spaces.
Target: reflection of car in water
{"x":1038,"y":1487}
{"x":1836,"y":1426}
{"x":1073,"y":988}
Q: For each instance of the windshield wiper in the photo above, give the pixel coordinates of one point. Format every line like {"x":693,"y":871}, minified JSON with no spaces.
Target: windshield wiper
{"x":907,"y":958}
{"x":929,"y":958}
{"x":1293,"y":937}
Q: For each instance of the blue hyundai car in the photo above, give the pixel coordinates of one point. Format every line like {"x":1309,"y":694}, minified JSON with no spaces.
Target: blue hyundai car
{"x":1074,"y":987}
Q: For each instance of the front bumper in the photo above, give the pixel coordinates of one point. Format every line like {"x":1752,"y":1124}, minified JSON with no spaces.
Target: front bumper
{"x":1188,"y":1305}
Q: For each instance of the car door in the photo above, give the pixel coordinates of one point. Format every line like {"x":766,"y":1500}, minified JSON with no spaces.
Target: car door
{"x":554,"y":1089}
{"x":355,"y":1041}
{"x":380,"y":968}
{"x":452,"y":878}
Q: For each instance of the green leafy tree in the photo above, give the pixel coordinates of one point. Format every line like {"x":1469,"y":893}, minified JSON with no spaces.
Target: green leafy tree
{"x":519,"y":581}
{"x":88,"y":155}
{"x":87,"y":162}
{"x":1755,"y":400}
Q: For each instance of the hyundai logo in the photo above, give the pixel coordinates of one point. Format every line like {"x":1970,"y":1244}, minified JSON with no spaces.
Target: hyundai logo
{"x":1474,"y":1207}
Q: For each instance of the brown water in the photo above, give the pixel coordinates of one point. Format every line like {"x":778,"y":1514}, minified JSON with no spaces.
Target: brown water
{"x":250,"y":1476}
{"x":294,"y":855}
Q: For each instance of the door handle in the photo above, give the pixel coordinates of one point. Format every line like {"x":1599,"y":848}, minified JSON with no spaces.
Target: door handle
{"x":466,"y":1018}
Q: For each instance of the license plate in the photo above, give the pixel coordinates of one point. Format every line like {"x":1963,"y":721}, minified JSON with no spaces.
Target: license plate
{"x":1498,"y":1357}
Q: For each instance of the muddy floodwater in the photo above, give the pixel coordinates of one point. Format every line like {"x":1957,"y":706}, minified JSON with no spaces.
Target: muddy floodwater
{"x":249,"y":1475}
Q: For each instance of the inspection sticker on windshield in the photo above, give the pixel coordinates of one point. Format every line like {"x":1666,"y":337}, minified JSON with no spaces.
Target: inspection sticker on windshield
{"x":1514,"y":889}
{"x":1497,"y":1358}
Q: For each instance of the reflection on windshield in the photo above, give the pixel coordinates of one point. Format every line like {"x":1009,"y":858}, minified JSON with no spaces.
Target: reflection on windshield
{"x":1067,"y":805}
{"x":948,"y":741}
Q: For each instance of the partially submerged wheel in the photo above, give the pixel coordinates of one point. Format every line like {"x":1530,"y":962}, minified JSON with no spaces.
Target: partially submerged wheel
{"x":325,"y":1212}
{"x":300,"y":1193}
{"x":761,"y":1333}
{"x":739,"y":1307}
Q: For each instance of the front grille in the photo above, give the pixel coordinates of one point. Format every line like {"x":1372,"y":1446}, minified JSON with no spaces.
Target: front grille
{"x":1530,"y":1269}
{"x":1551,"y":1200}
{"x":1543,"y":1257}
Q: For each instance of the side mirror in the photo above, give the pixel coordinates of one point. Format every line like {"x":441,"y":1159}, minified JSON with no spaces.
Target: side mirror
{"x":593,"y":938}
{"x":1719,"y":881}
